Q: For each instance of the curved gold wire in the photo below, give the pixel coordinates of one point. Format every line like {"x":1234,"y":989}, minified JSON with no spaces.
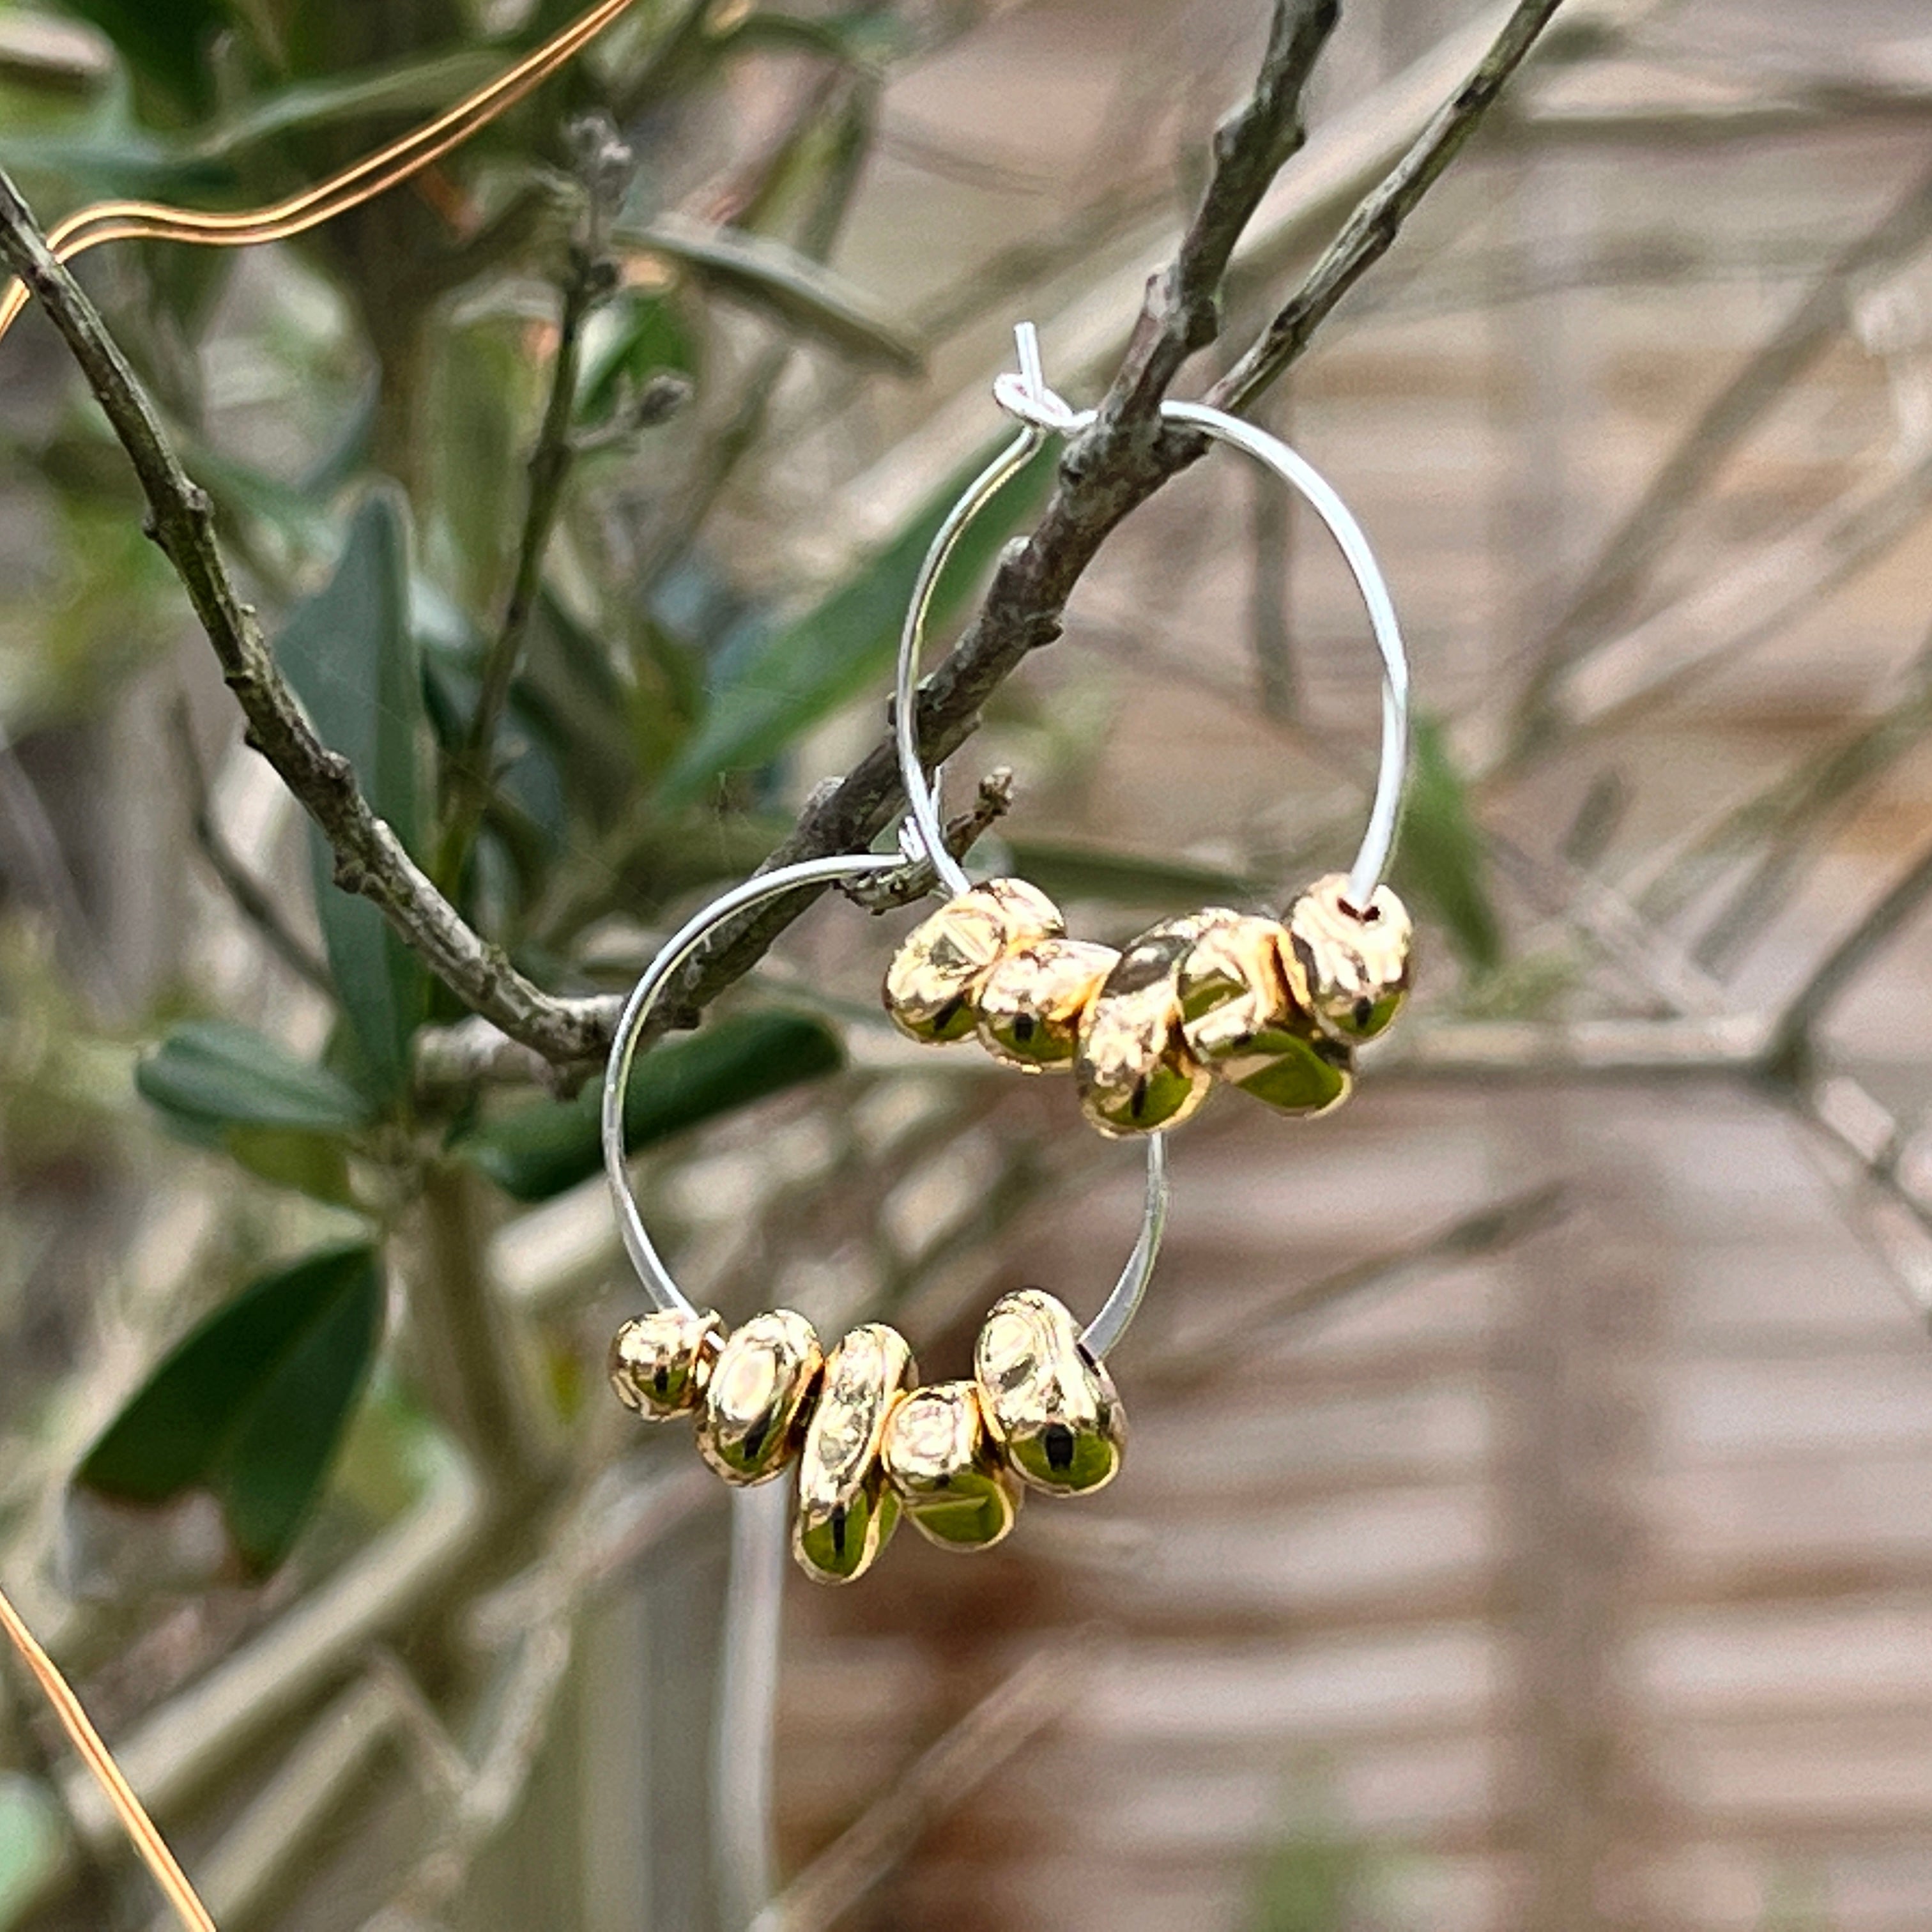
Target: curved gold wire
{"x":99,"y":1760}
{"x":361,"y":180}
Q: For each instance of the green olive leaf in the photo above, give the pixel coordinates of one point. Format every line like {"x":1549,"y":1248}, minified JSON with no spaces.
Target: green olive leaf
{"x":250,"y":1405}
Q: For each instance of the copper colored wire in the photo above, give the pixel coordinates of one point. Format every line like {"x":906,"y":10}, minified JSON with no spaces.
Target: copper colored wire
{"x":148,"y":1840}
{"x":375,"y":174}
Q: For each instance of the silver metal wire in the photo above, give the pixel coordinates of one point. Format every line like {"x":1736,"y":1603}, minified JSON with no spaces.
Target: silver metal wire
{"x":1106,"y":1328}
{"x":1026,"y":396}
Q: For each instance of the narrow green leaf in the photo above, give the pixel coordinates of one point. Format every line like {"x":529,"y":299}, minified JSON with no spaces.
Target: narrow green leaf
{"x":167,"y":46}
{"x":484,"y":392}
{"x":806,"y":296}
{"x":575,"y":707}
{"x":251,"y":1404}
{"x":635,"y":335}
{"x":414,"y":87}
{"x":351,"y":655}
{"x":210,"y":1072}
{"x":539,"y":1151}
{"x":785,"y":677}
{"x":1440,"y":863}
{"x":117,"y":161}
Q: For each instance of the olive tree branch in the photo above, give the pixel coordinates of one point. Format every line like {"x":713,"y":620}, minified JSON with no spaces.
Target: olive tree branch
{"x":604,"y":167}
{"x":1107,"y":472}
{"x":1119,"y":463}
{"x":1792,"y":1048}
{"x":1370,"y":231}
{"x":470,"y":772}
{"x":369,"y":857}
{"x":251,"y":898}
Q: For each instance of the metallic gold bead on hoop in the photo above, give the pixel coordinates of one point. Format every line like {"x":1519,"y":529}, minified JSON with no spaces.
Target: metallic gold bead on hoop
{"x":1356,"y":961}
{"x":760,"y":1397}
{"x":869,"y":1447}
{"x":1137,"y":1070}
{"x":846,"y":1513}
{"x":946,"y":1470}
{"x":1030,"y":1005}
{"x":1050,"y":1406}
{"x":660,"y":1363}
{"x":1245,"y":1016}
{"x":1134,"y":1070}
{"x":935,"y":975}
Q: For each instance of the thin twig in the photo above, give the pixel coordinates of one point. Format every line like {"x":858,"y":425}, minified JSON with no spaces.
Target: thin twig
{"x":1369,"y":232}
{"x":369,"y":857}
{"x":38,"y":849}
{"x":1190,"y":1360}
{"x":585,"y":284}
{"x":918,"y":877}
{"x":252,"y":900}
{"x":1116,"y":465}
{"x":605,"y":165}
{"x":1611,"y":584}
{"x":1835,"y":973}
{"x":1181,"y":312}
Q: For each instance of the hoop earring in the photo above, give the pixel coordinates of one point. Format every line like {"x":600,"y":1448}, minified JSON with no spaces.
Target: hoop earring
{"x":1275,"y":1007}
{"x":1039,"y":1412}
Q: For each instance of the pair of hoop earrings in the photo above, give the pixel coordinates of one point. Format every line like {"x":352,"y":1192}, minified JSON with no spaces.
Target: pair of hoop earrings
{"x":1275,"y":1007}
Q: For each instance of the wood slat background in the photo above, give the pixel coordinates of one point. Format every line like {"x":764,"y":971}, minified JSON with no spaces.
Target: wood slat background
{"x":1586,"y":1584}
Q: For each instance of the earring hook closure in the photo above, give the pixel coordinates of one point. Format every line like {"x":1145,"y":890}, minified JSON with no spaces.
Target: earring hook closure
{"x":1026,"y":396}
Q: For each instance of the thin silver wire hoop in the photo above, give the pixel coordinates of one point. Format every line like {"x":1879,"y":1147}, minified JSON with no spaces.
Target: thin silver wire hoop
{"x":1043,"y":413}
{"x":1101,"y":1334}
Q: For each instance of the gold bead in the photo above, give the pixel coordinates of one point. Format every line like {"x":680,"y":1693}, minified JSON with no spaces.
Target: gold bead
{"x":662,"y":1363}
{"x":1244,"y":1016}
{"x":1049,"y":1405}
{"x":1031,"y":1003}
{"x":1357,"y":962}
{"x":1134,"y":1068}
{"x":846,"y":1513}
{"x":945,"y":1470}
{"x":760,"y":1397}
{"x":936,"y":974}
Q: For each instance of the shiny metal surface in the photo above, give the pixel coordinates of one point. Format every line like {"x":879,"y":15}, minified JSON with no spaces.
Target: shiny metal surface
{"x":846,"y":1513}
{"x":946,"y":1470}
{"x":1356,"y":962}
{"x":760,"y":1397}
{"x":1244,"y":1015}
{"x":1030,"y":1005}
{"x":1050,"y":1406}
{"x":1135,"y":1071}
{"x":935,"y":975}
{"x":660,"y":1363}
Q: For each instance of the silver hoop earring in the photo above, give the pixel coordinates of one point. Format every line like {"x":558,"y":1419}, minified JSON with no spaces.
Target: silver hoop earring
{"x":1274,"y":1007}
{"x":869,"y":1443}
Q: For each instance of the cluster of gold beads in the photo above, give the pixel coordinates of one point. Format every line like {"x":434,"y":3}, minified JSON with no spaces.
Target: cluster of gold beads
{"x":868,"y":1442}
{"x":1275,"y":1007}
